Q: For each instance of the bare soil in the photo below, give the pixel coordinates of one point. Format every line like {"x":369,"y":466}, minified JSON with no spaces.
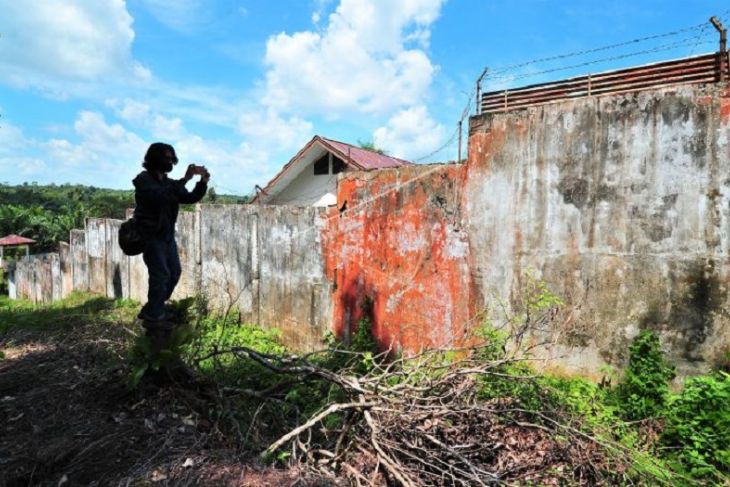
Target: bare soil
{"x":68,"y":419}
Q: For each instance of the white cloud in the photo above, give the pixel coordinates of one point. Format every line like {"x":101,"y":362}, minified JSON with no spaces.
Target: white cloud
{"x":320,"y":10}
{"x":130,"y":110}
{"x":14,"y":160}
{"x":180,"y":15}
{"x":54,"y":42}
{"x":364,"y":61}
{"x":12,"y":139}
{"x":109,"y":155}
{"x":105,"y":155}
{"x":410,"y":133}
{"x":267,"y":129}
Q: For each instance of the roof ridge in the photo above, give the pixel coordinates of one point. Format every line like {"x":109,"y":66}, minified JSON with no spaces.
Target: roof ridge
{"x":364,"y":149}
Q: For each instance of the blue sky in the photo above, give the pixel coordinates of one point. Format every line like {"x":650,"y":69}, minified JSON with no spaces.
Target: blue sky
{"x":87,"y":85}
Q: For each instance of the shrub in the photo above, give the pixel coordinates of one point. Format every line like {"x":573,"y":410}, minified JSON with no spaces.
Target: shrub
{"x":698,"y":425}
{"x":644,"y":389}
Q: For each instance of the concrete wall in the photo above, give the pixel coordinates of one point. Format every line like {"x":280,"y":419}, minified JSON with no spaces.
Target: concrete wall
{"x":622,"y":204}
{"x":228,"y":254}
{"x":263,"y":263}
{"x":294,"y":292}
{"x":398,"y":255}
{"x":66,"y":268}
{"x":79,"y":260}
{"x":96,"y":246}
{"x":38,"y":278}
{"x":187,"y":235}
{"x":117,"y":264}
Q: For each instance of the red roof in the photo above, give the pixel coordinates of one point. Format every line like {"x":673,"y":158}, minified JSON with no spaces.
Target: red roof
{"x":364,"y":158}
{"x":351,"y":155}
{"x":15,"y":240}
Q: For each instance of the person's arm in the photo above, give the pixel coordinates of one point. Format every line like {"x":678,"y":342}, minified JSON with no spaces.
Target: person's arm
{"x":188,"y":197}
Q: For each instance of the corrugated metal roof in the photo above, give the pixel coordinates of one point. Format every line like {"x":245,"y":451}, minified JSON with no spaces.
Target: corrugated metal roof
{"x":13,"y":239}
{"x":364,"y":158}
{"x":352,"y":155}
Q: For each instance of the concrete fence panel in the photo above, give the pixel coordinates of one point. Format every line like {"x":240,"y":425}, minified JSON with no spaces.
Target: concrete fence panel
{"x":42,"y":280}
{"x":96,"y":246}
{"x":24,"y":279}
{"x":187,"y":237}
{"x":66,"y":267}
{"x":295,"y":294}
{"x":229,"y":266}
{"x":137,"y":279}
{"x":79,"y":260}
{"x":117,"y":264}
{"x":54,"y":263}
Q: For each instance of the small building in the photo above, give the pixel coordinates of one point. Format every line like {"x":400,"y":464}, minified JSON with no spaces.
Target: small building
{"x":13,"y":240}
{"x":310,"y":177}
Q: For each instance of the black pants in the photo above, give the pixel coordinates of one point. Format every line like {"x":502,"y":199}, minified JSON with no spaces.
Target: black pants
{"x":163,"y":266}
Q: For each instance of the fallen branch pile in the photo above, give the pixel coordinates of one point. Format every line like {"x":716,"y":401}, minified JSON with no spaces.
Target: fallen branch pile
{"x":420,"y":421}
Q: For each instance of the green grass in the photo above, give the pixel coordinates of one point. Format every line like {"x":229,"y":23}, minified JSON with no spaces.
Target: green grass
{"x":675,"y":438}
{"x":76,"y":310}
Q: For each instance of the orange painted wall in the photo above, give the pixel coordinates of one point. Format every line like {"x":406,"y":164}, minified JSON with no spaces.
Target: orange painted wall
{"x":397,"y":255}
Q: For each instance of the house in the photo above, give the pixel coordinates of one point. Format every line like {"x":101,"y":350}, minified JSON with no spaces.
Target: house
{"x":310,"y":177}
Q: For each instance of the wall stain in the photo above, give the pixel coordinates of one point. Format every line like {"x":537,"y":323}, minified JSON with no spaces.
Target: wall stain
{"x":694,"y":301}
{"x":574,"y":191}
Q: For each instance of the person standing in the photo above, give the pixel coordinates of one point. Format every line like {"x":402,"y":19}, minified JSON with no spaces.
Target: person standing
{"x":158,"y":200}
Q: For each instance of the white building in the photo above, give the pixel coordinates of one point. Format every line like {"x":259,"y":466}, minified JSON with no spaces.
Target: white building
{"x":310,"y":177}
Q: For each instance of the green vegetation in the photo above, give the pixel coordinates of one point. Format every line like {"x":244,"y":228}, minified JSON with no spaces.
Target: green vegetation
{"x":680,"y":438}
{"x":645,"y":389}
{"x":697,"y":426}
{"x":46,"y":213}
{"x":78,"y":309}
{"x":370,"y":145}
{"x":665,"y":437}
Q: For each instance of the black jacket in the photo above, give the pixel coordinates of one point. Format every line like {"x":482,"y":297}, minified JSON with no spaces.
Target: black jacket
{"x":158,"y":202}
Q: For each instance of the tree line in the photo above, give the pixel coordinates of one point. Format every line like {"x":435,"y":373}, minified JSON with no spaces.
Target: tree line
{"x":47,"y":213}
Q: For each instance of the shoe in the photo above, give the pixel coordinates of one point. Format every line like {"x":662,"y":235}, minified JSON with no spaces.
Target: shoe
{"x":144,"y":316}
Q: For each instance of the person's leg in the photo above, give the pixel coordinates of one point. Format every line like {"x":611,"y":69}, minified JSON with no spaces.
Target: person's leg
{"x":155,"y":258}
{"x":173,"y":264}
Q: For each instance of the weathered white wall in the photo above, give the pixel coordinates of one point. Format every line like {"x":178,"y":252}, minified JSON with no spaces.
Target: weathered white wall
{"x":309,"y":190}
{"x":224,"y":251}
{"x":117,"y":264}
{"x":66,"y":268}
{"x":187,"y":235}
{"x":228,"y":256}
{"x":96,"y":247}
{"x":294,"y":294}
{"x":622,"y":203}
{"x":38,"y":278}
{"x":79,"y":260}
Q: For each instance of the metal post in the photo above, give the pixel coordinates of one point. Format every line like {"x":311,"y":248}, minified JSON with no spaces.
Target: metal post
{"x":723,"y":45}
{"x":458,"y":158}
{"x":589,"y":84}
{"x":479,"y":90}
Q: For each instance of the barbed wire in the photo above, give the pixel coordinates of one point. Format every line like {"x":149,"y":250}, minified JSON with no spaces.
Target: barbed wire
{"x":464,"y":114}
{"x":597,"y":49}
{"x":665,"y":47}
{"x":699,"y":37}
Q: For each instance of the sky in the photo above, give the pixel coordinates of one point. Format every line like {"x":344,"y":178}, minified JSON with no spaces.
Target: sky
{"x":240,"y":86}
